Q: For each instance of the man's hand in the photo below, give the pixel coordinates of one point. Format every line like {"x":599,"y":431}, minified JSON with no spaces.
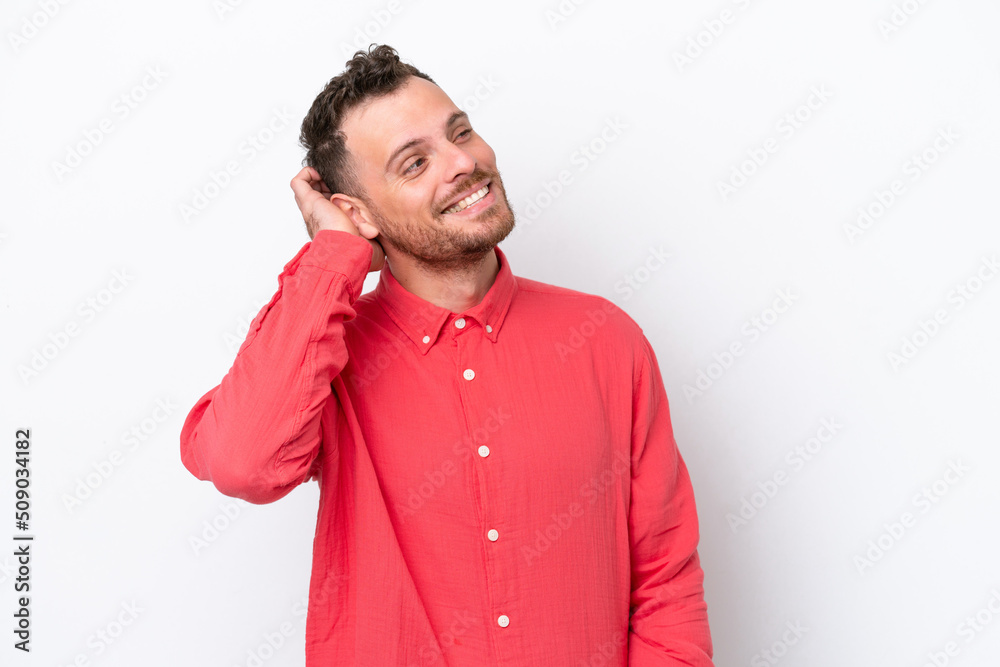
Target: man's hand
{"x":312,"y":196}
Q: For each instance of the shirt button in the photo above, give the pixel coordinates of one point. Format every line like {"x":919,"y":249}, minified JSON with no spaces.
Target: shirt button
{"x":493,"y":535}
{"x":503,"y":621}
{"x":489,"y":329}
{"x":484,"y":451}
{"x":469,"y":374}
{"x":460,"y":323}
{"x":427,"y":339}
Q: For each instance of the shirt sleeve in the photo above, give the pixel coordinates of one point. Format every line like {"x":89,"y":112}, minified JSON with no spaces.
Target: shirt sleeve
{"x":257,"y":434}
{"x":668,"y":624}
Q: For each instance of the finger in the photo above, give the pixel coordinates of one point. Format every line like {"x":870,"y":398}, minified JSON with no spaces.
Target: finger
{"x":305,"y":174}
{"x":322,"y":189}
{"x":300,"y":187}
{"x":299,"y":181}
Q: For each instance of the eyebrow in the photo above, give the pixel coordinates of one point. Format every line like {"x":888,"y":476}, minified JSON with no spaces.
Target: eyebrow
{"x":452,"y":119}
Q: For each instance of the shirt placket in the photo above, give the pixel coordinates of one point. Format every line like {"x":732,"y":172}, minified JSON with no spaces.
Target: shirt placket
{"x":473,"y":375}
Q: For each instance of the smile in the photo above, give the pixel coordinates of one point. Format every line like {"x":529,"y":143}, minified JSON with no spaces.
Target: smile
{"x":469,"y":201}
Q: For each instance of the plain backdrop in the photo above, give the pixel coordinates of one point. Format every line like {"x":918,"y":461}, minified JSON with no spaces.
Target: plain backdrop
{"x":821,"y":179}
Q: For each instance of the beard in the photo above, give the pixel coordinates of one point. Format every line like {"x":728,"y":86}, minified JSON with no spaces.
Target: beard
{"x":444,"y":246}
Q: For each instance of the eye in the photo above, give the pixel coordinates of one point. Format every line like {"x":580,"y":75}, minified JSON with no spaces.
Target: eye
{"x":416,"y":162}
{"x":464,"y":132}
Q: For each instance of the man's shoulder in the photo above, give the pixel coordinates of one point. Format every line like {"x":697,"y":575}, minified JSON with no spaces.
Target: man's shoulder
{"x":573,"y":307}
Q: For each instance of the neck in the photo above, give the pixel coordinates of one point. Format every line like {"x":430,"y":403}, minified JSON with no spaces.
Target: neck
{"x":456,"y":288}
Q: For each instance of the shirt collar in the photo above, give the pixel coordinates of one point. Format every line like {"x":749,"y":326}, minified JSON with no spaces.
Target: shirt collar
{"x":422,"y":320}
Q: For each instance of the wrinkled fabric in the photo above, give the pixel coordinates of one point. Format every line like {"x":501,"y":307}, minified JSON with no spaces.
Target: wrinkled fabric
{"x":499,"y":486}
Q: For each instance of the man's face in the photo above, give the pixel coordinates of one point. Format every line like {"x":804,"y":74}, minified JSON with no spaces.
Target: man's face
{"x":418,"y":159}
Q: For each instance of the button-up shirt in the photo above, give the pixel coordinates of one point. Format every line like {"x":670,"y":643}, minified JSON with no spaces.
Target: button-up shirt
{"x":499,"y":486}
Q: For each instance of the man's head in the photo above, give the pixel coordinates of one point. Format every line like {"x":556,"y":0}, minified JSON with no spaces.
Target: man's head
{"x":368,"y":76}
{"x":398,"y":155}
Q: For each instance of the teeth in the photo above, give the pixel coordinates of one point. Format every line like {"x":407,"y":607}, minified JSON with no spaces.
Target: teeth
{"x":468,"y":201}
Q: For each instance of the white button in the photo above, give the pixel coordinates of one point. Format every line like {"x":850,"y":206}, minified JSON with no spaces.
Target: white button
{"x":503,"y":621}
{"x":427,"y":339}
{"x":460,"y":323}
{"x":489,"y":329}
{"x":493,"y":535}
{"x":484,"y":451}
{"x":469,"y":374}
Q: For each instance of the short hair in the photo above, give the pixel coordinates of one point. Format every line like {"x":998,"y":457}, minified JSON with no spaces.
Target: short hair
{"x":367,"y":76}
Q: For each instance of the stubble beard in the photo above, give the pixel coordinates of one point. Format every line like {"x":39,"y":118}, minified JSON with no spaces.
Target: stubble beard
{"x":443,"y":247}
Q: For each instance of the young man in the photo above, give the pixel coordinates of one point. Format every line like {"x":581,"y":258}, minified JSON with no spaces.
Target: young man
{"x":499,"y":482}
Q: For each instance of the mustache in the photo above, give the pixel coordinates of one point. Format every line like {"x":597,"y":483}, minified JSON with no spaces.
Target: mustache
{"x":477,"y":176}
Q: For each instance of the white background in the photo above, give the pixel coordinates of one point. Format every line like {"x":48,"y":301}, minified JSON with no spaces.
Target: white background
{"x":188,"y":286}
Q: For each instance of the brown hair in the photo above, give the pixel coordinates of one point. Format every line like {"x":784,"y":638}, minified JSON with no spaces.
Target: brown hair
{"x":368,"y":75}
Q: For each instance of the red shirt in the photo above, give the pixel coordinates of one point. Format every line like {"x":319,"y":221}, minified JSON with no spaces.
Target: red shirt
{"x":498,"y":487}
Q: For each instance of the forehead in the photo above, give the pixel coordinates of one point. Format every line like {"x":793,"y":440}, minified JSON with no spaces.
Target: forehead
{"x":375,"y":129}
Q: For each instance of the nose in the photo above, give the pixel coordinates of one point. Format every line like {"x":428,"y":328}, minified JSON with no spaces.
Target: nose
{"x":458,"y":162}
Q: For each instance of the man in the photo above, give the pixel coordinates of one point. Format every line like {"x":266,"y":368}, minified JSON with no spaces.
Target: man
{"x":499,"y":482}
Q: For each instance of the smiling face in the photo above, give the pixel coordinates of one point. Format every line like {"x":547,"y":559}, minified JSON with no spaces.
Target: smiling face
{"x":431,"y":182}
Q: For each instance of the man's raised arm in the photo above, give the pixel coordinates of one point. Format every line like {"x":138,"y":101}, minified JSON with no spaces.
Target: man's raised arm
{"x":257,"y":434}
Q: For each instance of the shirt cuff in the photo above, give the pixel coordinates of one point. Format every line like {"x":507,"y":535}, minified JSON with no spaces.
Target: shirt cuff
{"x":343,"y":252}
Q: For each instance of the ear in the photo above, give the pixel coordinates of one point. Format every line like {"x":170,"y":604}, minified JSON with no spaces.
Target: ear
{"x":359,"y":214}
